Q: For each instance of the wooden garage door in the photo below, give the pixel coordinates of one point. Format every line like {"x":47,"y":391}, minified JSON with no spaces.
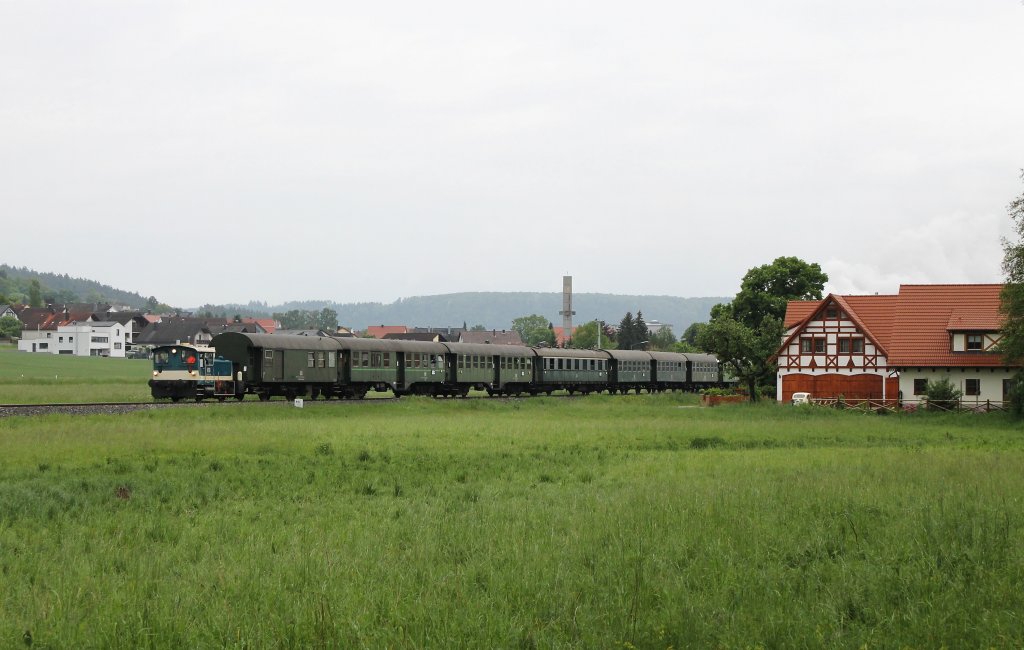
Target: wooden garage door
{"x":832,"y":385}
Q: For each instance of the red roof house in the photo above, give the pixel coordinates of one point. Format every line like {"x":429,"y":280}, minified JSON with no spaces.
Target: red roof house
{"x":888,"y":347}
{"x":379,"y":331}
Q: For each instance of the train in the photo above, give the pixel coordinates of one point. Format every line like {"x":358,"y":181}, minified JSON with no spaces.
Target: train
{"x":237,"y":364}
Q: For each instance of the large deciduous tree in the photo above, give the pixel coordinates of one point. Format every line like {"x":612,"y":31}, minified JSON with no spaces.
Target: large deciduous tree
{"x":534,"y":330}
{"x":663,"y":340}
{"x":10,"y":326}
{"x":1012,"y":342}
{"x":746,"y":332}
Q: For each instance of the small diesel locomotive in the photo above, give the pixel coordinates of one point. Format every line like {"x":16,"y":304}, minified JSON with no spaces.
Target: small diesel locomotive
{"x":185,"y":371}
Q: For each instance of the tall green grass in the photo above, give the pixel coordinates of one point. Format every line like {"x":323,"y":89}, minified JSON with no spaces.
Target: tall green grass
{"x":599,"y":522}
{"x":35,"y":378}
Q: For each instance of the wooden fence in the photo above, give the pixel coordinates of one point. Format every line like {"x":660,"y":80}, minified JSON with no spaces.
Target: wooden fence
{"x":911,"y":405}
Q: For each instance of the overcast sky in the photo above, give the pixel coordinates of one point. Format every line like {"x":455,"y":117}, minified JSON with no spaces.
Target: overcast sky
{"x":233,"y":151}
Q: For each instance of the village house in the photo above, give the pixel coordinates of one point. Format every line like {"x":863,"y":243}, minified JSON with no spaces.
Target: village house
{"x":77,"y":329}
{"x":888,"y":347}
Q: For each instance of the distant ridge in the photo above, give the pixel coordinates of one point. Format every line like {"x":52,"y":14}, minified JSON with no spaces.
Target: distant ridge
{"x":496,"y":310}
{"x":14,"y":283}
{"x":493,"y":310}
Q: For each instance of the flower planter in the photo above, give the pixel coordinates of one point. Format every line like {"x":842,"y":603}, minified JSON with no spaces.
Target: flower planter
{"x":715,"y":400}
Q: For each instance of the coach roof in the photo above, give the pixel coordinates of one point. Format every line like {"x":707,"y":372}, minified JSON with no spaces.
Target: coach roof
{"x":275,"y":341}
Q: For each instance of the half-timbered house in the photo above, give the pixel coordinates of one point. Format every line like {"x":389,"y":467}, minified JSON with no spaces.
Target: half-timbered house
{"x":889,"y":346}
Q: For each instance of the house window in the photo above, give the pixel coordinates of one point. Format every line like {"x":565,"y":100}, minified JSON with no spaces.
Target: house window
{"x":972,"y":387}
{"x":974,"y":342}
{"x":819,"y":346}
{"x":831,"y":313}
{"x":805,"y":346}
{"x":857,"y":345}
{"x":920,"y":386}
{"x":61,"y":339}
{"x":844,"y":346}
{"x":117,"y":346}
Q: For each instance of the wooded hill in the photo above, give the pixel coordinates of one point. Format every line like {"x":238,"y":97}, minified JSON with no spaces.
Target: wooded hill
{"x":493,"y":310}
{"x":497,"y":310}
{"x":15,"y":284}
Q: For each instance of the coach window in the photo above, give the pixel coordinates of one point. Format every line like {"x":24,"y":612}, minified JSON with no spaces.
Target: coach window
{"x":365,"y":359}
{"x":920,"y":386}
{"x":268,"y":354}
{"x":309,"y":360}
{"x":387,"y":359}
{"x":320,"y":361}
{"x":973,"y":343}
{"x":972,"y":387}
{"x":408,"y":361}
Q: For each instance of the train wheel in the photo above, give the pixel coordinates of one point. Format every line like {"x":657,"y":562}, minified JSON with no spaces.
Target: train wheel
{"x":240,"y":396}
{"x":175,"y":399}
{"x":264,"y":397}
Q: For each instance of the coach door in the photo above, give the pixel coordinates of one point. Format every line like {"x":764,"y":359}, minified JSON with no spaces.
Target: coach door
{"x":273,"y":365}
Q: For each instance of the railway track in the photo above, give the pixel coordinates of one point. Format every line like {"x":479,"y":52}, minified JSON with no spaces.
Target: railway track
{"x":93,"y":408}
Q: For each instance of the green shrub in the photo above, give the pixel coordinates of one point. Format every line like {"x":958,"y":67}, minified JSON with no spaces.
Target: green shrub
{"x":942,"y":395}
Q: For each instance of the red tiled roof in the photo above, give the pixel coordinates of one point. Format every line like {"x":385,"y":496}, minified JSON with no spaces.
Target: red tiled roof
{"x":873,"y":314}
{"x":378,"y":331}
{"x":798,"y":310}
{"x":268,"y":324}
{"x":560,"y":338}
{"x":922,"y":318}
{"x":965,"y":322}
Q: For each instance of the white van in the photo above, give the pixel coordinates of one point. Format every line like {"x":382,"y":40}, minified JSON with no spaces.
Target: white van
{"x":801,"y":398}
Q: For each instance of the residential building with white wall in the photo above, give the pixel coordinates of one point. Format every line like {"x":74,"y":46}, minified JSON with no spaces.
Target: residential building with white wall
{"x":889,"y":346}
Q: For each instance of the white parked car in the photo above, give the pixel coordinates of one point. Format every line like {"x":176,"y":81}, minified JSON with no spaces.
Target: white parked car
{"x":801,"y":398}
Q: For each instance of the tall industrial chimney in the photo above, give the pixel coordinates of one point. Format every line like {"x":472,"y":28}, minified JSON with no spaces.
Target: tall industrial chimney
{"x":567,"y":313}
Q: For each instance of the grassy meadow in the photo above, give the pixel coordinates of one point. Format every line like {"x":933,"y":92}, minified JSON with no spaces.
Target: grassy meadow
{"x":636,"y":521}
{"x":27,"y":378}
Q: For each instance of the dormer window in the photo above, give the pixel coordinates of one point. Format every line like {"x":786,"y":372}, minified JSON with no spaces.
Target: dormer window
{"x":974,"y":342}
